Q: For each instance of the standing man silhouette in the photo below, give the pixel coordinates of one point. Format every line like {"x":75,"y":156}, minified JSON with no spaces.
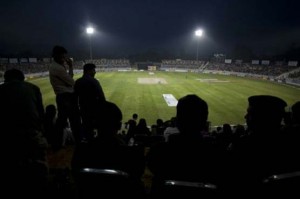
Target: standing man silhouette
{"x":63,"y":85}
{"x":90,"y":94}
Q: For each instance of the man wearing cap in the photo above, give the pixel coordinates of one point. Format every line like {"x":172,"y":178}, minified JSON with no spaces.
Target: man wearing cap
{"x":264,"y":113}
{"x":257,"y":155}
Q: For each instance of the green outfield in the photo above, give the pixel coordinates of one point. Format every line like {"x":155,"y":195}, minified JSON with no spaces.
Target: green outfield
{"x":142,"y":93}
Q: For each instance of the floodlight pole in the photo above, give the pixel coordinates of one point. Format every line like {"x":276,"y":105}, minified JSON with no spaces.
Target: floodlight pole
{"x":198,"y":34}
{"x":91,"y":53}
{"x":90,"y":31}
{"x":197,"y":50}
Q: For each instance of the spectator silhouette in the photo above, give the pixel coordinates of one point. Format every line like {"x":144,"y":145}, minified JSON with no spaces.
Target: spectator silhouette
{"x":24,"y":166}
{"x":290,"y":140}
{"x":66,"y":101}
{"x":142,"y":128}
{"x":224,"y":137}
{"x":172,"y":129}
{"x":158,"y":128}
{"x":89,"y":92}
{"x":131,"y":121}
{"x":296,"y":114}
{"x":258,"y":154}
{"x":131,"y":125}
{"x":108,"y":150}
{"x":188,"y":155}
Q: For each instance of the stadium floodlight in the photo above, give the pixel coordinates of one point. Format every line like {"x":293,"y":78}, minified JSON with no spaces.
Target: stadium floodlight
{"x":90,"y":31}
{"x":198,"y":34}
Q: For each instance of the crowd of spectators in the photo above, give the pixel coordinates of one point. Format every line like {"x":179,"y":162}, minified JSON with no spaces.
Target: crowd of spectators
{"x":182,"y":64}
{"x":295,"y":75}
{"x":271,"y":70}
{"x":267,"y":70}
{"x":189,"y":152}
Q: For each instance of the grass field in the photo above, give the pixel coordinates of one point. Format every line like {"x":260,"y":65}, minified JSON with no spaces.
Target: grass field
{"x":226,"y":95}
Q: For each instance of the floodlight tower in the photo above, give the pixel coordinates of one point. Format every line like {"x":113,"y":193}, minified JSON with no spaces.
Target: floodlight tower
{"x":90,"y":31}
{"x":198,"y":34}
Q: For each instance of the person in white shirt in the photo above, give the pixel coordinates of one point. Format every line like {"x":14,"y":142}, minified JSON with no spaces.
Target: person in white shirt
{"x":172,"y":129}
{"x":63,"y":85}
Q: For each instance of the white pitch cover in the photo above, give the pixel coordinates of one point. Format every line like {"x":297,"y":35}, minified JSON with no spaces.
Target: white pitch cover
{"x":170,"y":99}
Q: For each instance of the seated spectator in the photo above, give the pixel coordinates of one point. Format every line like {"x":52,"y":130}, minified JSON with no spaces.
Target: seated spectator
{"x":188,"y":155}
{"x":130,"y":125}
{"x":261,"y":152}
{"x":24,"y":166}
{"x":142,"y":128}
{"x":172,"y":129}
{"x":296,"y":114}
{"x":108,"y":150}
{"x":224,"y":137}
{"x":291,"y":137}
{"x":158,"y":128}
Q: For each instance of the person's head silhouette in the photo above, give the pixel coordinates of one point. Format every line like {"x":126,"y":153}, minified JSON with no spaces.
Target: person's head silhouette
{"x":192,"y":113}
{"x":265,"y":112}
{"x":13,"y":74}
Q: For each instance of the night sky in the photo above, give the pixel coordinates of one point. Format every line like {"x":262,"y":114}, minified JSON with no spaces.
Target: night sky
{"x":126,"y":27}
